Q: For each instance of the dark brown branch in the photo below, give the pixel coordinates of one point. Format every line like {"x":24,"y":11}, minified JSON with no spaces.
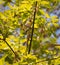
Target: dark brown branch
{"x":16,"y":55}
{"x":32,"y":28}
{"x":9,"y":46}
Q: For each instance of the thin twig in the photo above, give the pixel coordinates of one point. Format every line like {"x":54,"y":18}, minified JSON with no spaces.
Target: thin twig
{"x":32,"y":28}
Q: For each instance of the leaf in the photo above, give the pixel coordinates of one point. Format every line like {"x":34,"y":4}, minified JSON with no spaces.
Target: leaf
{"x":1,"y":36}
{"x":35,"y":26}
{"x":47,"y":15}
{"x":3,"y":45}
{"x":54,"y":19}
{"x":45,"y":2}
{"x":22,"y":49}
{"x":42,"y":12}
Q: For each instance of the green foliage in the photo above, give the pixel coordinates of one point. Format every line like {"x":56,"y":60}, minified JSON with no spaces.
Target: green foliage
{"x":16,"y":25}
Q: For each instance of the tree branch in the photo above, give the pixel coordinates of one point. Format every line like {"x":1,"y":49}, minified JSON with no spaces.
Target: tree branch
{"x":9,"y":46}
{"x":16,"y":55}
{"x":32,"y":29}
